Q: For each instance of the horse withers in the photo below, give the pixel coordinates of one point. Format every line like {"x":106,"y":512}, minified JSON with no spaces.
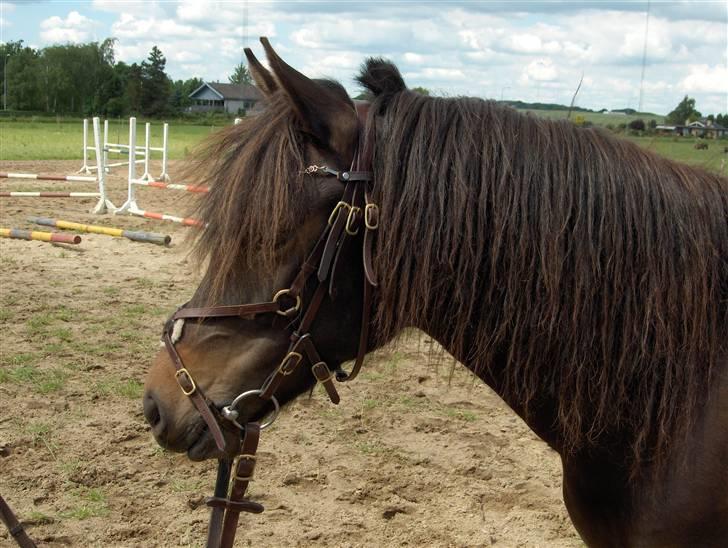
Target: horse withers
{"x":581,"y":277}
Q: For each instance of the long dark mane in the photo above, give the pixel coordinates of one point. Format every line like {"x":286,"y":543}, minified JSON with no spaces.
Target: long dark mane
{"x":257,"y":194}
{"x":598,"y":269}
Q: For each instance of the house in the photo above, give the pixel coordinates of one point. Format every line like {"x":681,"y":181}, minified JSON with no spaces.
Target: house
{"x":698,"y":128}
{"x":703,"y":128}
{"x":230,"y":98}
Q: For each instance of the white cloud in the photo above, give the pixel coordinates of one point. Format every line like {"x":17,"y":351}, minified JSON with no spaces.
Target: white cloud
{"x":75,"y":28}
{"x":706,"y":79}
{"x":539,"y":70}
{"x":523,"y":50}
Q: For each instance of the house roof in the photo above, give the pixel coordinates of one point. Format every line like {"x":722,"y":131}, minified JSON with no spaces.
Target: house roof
{"x":234,"y":92}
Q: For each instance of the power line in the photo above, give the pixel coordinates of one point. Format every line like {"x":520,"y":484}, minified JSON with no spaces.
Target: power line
{"x":644,"y":57}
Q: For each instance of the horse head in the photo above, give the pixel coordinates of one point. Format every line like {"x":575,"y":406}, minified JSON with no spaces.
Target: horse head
{"x":272,"y":199}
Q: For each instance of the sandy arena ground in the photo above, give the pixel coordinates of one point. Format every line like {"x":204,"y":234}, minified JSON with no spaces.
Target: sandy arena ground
{"x":415,"y":454}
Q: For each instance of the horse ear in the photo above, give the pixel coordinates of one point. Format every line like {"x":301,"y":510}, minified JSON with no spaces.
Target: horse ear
{"x":325,"y":116}
{"x":263,"y":79}
{"x":380,"y":77}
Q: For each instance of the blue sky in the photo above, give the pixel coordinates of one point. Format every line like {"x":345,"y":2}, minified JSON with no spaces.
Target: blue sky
{"x":533,"y":51}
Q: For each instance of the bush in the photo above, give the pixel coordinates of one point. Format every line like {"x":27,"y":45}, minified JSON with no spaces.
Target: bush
{"x":637,"y":125}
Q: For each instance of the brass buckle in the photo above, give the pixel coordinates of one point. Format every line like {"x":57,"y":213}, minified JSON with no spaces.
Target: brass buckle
{"x":350,"y":220}
{"x":189,"y":377}
{"x":249,"y":457}
{"x":369,"y":210}
{"x":284,"y":367}
{"x":335,"y":212}
{"x":318,"y":365}
{"x":288,"y":311}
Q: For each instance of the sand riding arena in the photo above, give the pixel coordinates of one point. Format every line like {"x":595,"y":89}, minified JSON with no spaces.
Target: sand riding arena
{"x":418,"y":453}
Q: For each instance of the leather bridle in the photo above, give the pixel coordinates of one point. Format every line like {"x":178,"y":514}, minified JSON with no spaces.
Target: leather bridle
{"x":354,"y":211}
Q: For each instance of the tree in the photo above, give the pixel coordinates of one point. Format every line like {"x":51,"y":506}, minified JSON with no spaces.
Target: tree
{"x":684,"y":112}
{"x":241,"y":75}
{"x":421,"y":90}
{"x":156,"y":87}
{"x":637,"y":125}
{"x":133,"y":89}
{"x":182,"y":90}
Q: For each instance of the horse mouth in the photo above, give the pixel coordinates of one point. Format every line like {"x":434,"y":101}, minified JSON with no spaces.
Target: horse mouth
{"x":201,"y":447}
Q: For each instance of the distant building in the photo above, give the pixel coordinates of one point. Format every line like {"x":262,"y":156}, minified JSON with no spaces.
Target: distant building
{"x":230,"y":98}
{"x":699,"y":128}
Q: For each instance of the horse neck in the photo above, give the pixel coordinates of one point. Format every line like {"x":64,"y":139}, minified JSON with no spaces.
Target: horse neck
{"x":541,"y":414}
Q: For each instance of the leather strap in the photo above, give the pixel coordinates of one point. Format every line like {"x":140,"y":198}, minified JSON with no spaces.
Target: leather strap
{"x":192,"y":391}
{"x":214,"y":528}
{"x":226,"y":311}
{"x":242,"y":476}
{"x":14,"y":526}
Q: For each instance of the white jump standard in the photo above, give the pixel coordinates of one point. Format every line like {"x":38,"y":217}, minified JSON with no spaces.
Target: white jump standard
{"x":132,"y":207}
{"x":102,"y":206}
{"x":144,"y":152}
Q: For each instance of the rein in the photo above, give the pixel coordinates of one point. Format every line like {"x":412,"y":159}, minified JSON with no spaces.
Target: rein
{"x":353,"y":210}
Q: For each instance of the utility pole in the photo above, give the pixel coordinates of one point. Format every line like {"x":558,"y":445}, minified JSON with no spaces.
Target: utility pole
{"x":5,"y":82}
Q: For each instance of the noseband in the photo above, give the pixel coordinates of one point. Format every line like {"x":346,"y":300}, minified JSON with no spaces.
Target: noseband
{"x":353,"y":210}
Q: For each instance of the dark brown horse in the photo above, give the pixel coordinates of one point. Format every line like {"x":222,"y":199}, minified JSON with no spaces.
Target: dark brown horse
{"x":581,"y":277}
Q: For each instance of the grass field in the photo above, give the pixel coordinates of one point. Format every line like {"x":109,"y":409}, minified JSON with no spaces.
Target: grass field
{"x":596,"y":118}
{"x":49,"y":140}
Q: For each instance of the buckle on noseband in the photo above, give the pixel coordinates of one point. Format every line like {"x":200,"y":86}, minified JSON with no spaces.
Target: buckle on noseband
{"x":288,"y":311}
{"x":191,"y":382}
{"x":351,"y":220}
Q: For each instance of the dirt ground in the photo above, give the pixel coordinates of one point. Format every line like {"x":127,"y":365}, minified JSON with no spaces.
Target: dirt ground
{"x":415,"y":454}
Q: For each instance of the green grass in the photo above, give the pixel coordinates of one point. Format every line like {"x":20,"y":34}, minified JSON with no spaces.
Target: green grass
{"x":130,"y":389}
{"x":23,"y":371}
{"x":46,"y":139}
{"x":682,"y":149}
{"x":596,"y":118}
{"x":51,"y":140}
{"x":90,"y":503}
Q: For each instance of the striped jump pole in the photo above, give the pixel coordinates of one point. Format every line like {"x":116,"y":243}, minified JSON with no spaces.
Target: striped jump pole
{"x":50,"y":195}
{"x":172,"y":186}
{"x":41,"y":177}
{"x":18,"y":234}
{"x":137,"y":236}
{"x":187,"y":221}
{"x":102,"y":206}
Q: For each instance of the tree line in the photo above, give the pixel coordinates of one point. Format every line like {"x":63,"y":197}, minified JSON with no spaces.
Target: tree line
{"x":86,"y":79}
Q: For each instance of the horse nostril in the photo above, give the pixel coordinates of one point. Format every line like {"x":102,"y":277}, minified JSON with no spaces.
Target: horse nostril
{"x":151,"y":410}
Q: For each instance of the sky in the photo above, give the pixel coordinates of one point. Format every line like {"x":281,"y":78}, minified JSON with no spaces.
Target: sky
{"x":527,"y":50}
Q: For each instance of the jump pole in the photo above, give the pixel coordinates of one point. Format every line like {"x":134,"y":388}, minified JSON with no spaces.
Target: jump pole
{"x":50,"y":195}
{"x":102,"y":206}
{"x":41,"y":177}
{"x":137,"y":236}
{"x":18,"y":234}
